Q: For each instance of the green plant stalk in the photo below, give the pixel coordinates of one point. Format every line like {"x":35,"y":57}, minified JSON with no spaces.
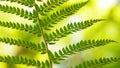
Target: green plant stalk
{"x":42,"y":32}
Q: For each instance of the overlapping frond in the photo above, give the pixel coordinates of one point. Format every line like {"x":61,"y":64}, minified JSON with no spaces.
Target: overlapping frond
{"x":69,"y":29}
{"x":80,"y":46}
{"x":97,"y":63}
{"x":29,"y":3}
{"x":21,"y":12}
{"x":24,"y":27}
{"x":24,"y":61}
{"x":49,"y":5}
{"x":61,"y":14}
{"x":40,"y":47}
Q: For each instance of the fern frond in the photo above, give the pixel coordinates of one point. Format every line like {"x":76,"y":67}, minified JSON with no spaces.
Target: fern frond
{"x":15,"y":10}
{"x":49,"y":5}
{"x":29,"y":3}
{"x":80,"y":46}
{"x":24,"y":61}
{"x":37,"y":47}
{"x":97,"y":63}
{"x":69,"y":29}
{"x":24,"y":27}
{"x":61,"y":14}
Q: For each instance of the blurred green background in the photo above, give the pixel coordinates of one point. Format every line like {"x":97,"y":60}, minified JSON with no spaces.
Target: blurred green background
{"x":95,"y":9}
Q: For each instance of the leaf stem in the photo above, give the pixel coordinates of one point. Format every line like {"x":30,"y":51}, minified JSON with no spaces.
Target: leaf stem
{"x":42,"y":31}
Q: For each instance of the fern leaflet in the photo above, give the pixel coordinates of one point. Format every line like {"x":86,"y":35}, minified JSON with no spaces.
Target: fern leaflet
{"x":69,"y":29}
{"x":60,"y":15}
{"x":49,"y":5}
{"x":37,"y":47}
{"x":18,"y":11}
{"x":25,"y":27}
{"x":97,"y":63}
{"x":80,"y":46}
{"x":28,"y":3}
{"x":24,"y":61}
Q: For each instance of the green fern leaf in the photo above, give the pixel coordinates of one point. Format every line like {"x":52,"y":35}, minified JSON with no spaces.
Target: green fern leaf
{"x":18,"y":11}
{"x":82,"y":45}
{"x":25,"y":27}
{"x":69,"y":29}
{"x":49,"y":5}
{"x":37,"y":47}
{"x":61,"y":14}
{"x":97,"y":63}
{"x":24,"y":61}
{"x":29,"y":3}
{"x":44,"y":21}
